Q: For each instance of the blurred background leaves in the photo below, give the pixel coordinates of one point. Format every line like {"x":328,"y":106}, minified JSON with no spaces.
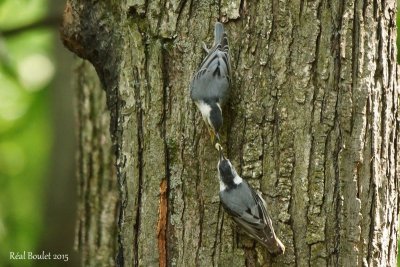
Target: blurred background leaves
{"x":37,"y":181}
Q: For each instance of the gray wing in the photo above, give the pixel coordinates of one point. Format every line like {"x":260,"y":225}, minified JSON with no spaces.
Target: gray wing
{"x":249,"y":212}
{"x":212,"y":80}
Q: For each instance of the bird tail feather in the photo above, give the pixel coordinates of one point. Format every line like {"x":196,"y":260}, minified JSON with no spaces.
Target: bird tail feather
{"x":274,"y":246}
{"x":219,"y":33}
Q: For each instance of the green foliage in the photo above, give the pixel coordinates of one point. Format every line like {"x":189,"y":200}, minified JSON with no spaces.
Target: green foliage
{"x":26,"y":70}
{"x":17,"y":13}
{"x":24,"y":152}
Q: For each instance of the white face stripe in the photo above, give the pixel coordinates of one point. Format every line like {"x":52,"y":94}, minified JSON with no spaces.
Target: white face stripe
{"x":237,"y":180}
{"x":204,"y":108}
{"x":222,"y":186}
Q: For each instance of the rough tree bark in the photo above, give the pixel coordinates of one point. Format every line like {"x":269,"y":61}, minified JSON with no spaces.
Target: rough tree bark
{"x":312,"y":122}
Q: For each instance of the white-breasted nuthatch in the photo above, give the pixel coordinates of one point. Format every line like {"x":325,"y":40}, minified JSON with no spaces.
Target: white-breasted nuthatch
{"x":209,"y":87}
{"x":246,"y":207}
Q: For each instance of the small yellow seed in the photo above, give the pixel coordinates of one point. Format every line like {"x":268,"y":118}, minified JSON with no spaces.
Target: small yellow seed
{"x":218,"y":147}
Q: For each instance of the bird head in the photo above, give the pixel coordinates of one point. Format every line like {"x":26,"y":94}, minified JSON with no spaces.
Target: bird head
{"x":226,"y":171}
{"x":212,"y":115}
{"x":215,"y":119}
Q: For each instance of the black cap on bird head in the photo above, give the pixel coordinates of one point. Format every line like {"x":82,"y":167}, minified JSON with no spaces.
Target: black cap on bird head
{"x":225,"y":169}
{"x":216,"y":119}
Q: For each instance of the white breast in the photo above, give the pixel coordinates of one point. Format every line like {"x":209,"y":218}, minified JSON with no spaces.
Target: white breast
{"x":204,"y":108}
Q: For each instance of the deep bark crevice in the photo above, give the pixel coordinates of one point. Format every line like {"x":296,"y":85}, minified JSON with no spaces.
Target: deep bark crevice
{"x":139,"y":155}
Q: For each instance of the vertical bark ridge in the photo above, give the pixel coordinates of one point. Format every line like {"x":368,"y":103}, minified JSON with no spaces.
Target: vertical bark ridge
{"x":162,"y":224}
{"x":139,"y":156}
{"x":166,"y":109}
{"x":96,"y":221}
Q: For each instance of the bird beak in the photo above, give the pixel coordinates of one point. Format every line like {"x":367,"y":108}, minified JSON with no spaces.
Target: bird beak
{"x":212,"y":135}
{"x":217,"y":136}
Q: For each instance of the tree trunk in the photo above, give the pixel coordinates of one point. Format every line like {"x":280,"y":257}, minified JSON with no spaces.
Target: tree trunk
{"x":97,"y":218}
{"x":312,"y":122}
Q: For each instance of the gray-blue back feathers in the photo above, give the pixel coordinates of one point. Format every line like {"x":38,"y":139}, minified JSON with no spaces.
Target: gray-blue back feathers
{"x":212,"y":80}
{"x":248,"y":210}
